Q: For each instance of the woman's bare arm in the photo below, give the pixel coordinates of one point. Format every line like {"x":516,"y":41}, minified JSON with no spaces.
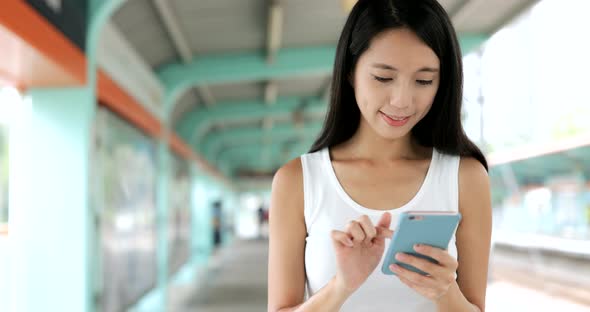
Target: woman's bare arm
{"x":473,"y":239}
{"x":286,"y":266}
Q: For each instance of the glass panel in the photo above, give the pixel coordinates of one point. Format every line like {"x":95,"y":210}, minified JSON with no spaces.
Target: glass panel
{"x":124,"y":191}
{"x":179,"y":217}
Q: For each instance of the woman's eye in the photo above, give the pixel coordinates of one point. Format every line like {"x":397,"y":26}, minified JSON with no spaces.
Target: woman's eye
{"x":424,"y":82}
{"x":382,"y":79}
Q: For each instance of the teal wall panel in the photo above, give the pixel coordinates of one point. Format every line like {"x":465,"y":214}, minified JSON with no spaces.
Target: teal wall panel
{"x":52,"y":230}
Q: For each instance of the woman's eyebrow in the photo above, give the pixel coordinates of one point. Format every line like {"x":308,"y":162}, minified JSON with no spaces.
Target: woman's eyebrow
{"x":389,"y":67}
{"x":428,"y":69}
{"x":384,"y":66}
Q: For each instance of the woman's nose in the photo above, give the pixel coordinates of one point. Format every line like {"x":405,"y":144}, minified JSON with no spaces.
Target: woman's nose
{"x":401,"y":97}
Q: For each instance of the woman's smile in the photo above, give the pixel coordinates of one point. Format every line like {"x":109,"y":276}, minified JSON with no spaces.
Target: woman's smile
{"x":395,"y":121}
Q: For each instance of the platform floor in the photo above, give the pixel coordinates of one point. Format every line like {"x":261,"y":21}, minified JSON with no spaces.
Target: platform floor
{"x":237,"y":281}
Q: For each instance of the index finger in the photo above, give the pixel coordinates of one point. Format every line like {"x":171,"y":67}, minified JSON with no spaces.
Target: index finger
{"x":385,"y":220}
{"x":384,"y":232}
{"x":368,"y":227}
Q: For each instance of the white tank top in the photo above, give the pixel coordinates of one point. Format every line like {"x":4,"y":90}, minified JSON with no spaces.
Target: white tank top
{"x":327,"y":207}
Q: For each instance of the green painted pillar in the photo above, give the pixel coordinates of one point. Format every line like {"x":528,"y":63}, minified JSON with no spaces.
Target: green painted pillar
{"x":51,"y":223}
{"x":163,"y":208}
{"x":202,"y":238}
{"x":230,"y":216}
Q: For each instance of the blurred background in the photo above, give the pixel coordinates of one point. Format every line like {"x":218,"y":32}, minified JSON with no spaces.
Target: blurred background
{"x":138,"y":140}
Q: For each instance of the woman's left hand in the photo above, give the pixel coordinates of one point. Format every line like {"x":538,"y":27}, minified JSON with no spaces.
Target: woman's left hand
{"x":440,"y":276}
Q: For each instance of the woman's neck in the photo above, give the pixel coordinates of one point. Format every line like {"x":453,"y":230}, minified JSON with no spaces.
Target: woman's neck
{"x":367,"y":144}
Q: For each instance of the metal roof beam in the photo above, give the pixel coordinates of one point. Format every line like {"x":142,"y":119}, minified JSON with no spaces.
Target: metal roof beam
{"x":174,"y":31}
{"x":214,"y":142}
{"x":470,"y":42}
{"x":250,"y":155}
{"x":181,"y":44}
{"x":243,"y":67}
{"x":194,"y":125}
{"x":252,"y":66}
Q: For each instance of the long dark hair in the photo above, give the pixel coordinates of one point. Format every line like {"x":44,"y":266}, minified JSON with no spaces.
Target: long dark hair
{"x":441,"y":128}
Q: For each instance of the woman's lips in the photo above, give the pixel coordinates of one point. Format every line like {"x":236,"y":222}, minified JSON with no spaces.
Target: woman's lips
{"x":395,"y":121}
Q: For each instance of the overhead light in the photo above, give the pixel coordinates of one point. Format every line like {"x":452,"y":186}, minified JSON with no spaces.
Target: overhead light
{"x":275,"y":30}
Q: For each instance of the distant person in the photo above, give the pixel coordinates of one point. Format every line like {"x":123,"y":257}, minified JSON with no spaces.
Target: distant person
{"x":262,"y":220}
{"x":392,"y":141}
{"x":217,"y":224}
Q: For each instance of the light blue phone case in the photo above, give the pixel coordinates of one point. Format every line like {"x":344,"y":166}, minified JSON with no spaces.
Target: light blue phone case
{"x":420,"y":227}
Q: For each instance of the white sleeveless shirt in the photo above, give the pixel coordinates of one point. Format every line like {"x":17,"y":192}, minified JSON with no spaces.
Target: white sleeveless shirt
{"x":328,"y":207}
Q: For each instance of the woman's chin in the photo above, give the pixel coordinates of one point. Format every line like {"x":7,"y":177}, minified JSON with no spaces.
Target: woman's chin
{"x":392,"y":134}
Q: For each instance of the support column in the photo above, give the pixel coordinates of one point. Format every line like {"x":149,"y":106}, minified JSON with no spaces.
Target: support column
{"x":163,"y":209}
{"x":51,"y":222}
{"x":202,"y":238}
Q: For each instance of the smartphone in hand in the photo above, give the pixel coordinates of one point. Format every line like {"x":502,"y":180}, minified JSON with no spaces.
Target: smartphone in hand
{"x":433,"y":228}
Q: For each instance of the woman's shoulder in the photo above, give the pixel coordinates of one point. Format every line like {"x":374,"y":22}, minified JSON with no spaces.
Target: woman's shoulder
{"x":474,"y":183}
{"x":289,"y":172}
{"x":291,"y":175}
{"x":471,"y":170}
{"x":287,"y":192}
{"x":288,"y":180}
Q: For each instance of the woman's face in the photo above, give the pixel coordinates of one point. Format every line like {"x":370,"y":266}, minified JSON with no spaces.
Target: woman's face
{"x":395,"y":81}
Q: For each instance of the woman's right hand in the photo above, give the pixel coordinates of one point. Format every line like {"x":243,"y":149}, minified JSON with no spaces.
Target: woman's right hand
{"x":359,"y":250}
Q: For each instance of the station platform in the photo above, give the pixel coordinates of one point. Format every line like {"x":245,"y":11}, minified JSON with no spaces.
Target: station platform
{"x":236,"y":280}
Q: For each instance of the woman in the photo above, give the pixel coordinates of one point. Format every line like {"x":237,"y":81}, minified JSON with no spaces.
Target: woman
{"x":392,"y":142}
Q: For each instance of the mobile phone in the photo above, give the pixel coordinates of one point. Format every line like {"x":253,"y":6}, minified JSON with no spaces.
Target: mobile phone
{"x":433,"y":228}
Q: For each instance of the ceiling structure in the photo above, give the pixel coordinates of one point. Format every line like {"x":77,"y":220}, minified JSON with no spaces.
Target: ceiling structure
{"x":249,"y":79}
